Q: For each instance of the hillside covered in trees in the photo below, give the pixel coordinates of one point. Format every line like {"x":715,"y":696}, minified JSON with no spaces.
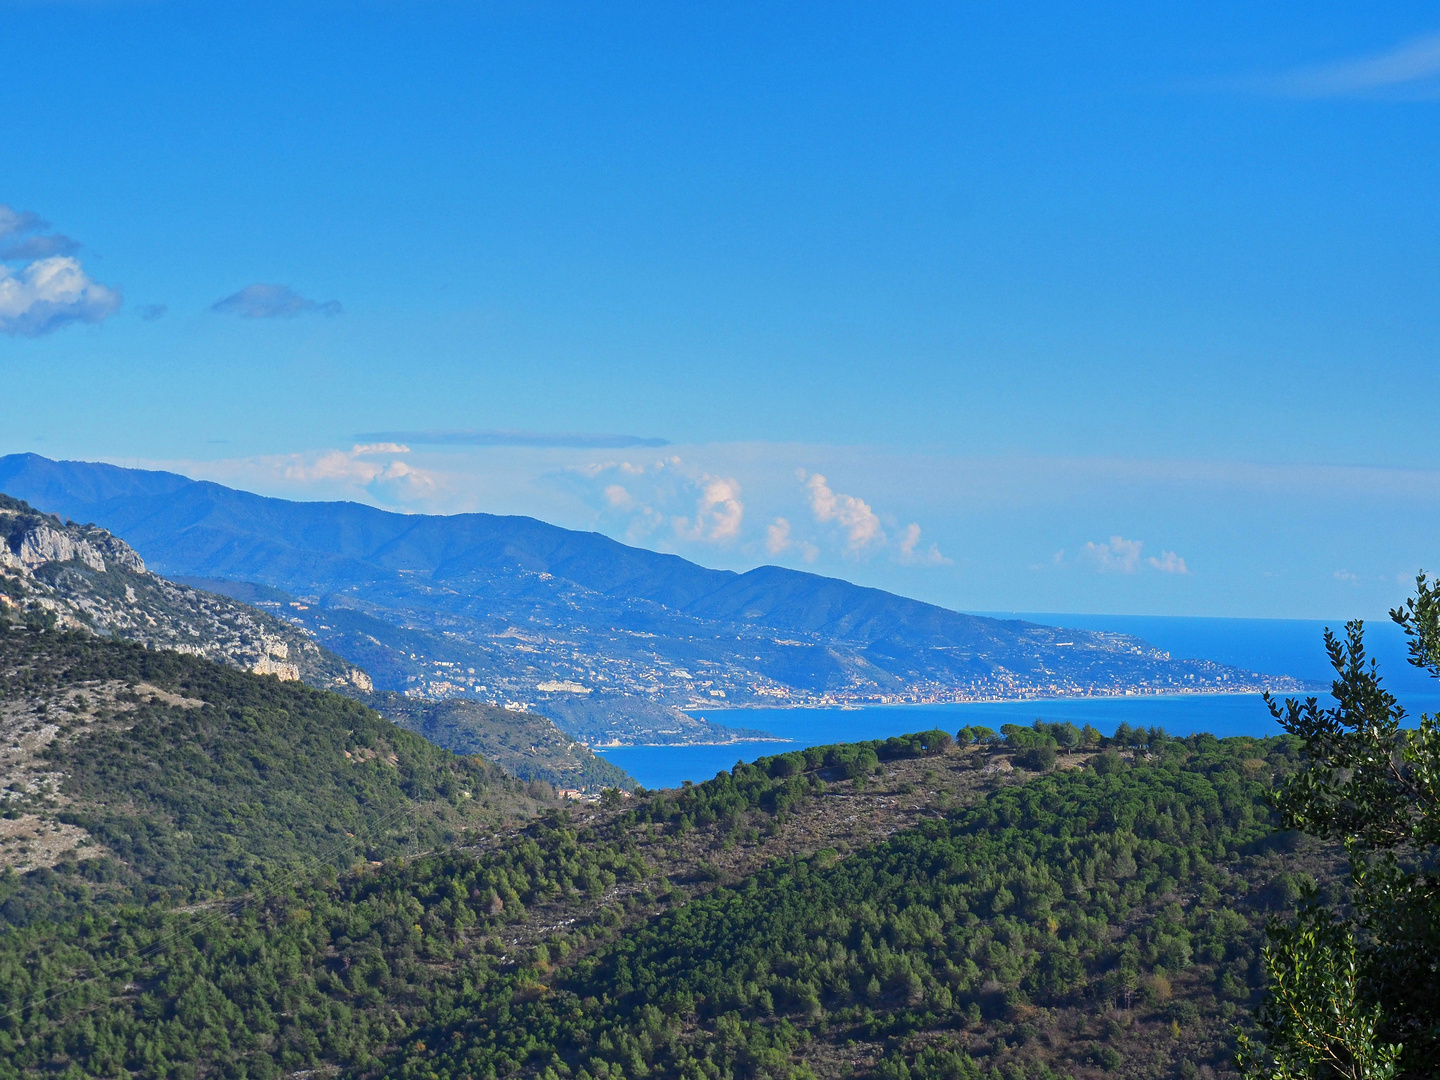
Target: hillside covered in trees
{"x":915,"y":908}
{"x":136,"y":775}
{"x":522,"y":743}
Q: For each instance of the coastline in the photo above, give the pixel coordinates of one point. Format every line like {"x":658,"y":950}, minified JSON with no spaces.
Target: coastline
{"x":1128,"y":695}
{"x":1128,"y":698}
{"x":667,"y":765}
{"x":854,"y":707}
{"x":765,"y":738}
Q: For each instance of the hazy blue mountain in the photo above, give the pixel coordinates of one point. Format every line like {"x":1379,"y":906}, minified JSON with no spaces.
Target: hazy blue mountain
{"x":504,"y":608}
{"x":202,"y":529}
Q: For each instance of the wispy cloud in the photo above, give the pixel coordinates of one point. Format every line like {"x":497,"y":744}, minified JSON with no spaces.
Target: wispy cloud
{"x":1412,"y":66}
{"x":718,"y":512}
{"x":1120,"y":556}
{"x":37,"y":247}
{"x":51,"y":289}
{"x":503,"y":437}
{"x":675,"y":503}
{"x":272,"y":302}
{"x":909,"y":551}
{"x":18,"y":223}
{"x":1168,"y":563}
{"x":860,"y":529}
{"x":376,"y":470}
{"x":23,"y":237}
{"x":780,"y":541}
{"x":151,"y":312}
{"x":1116,"y":556}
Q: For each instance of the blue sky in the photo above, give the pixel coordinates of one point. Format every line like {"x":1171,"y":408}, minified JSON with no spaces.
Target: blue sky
{"x":1083,"y":307}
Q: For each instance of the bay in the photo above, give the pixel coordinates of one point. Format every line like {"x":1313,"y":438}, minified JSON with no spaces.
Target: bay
{"x":1273,"y":646}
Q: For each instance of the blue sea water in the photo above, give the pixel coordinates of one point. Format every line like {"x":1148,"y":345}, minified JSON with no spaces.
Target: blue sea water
{"x":1272,"y":646}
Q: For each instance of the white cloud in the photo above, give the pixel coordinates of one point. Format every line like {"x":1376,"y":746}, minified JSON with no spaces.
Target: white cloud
{"x":1121,"y":556}
{"x":718,"y":512}
{"x":1168,"y":563}
{"x":51,"y":289}
{"x":664,"y":496}
{"x":1346,"y":576}
{"x":392,"y":480}
{"x":50,"y":293}
{"x":857,"y":521}
{"x":1118,"y":556}
{"x":778,"y":541}
{"x":380,"y":448}
{"x":373,"y":470}
{"x":859,"y":528}
{"x":777,"y":537}
{"x":909,"y":552}
{"x":627,"y":468}
{"x":1414,"y":64}
{"x":261,"y":301}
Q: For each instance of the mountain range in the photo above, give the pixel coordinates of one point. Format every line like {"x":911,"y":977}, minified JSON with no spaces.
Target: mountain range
{"x":210,"y":868}
{"x":617,"y":644}
{"x":82,"y":578}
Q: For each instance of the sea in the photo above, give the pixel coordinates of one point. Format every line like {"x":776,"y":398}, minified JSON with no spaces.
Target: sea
{"x":1270,"y":646}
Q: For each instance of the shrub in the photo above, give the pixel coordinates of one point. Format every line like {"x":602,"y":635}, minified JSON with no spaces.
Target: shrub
{"x":1108,"y":763}
{"x":1037,"y":758}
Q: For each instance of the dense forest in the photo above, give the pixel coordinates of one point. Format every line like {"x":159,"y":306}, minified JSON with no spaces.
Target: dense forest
{"x":180,"y":780}
{"x":914,"y":908}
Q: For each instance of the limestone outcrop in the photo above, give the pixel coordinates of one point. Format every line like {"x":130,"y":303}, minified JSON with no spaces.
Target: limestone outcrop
{"x":81,"y":577}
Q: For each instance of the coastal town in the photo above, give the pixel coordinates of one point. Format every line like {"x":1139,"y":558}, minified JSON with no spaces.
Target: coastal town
{"x":575,"y":671}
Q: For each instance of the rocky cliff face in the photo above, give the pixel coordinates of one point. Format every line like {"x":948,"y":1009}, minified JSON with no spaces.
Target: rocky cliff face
{"x":82,"y":577}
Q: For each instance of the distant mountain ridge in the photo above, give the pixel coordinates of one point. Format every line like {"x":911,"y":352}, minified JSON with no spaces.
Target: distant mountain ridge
{"x":622,"y":638}
{"x":203,"y":529}
{"x":81,"y":577}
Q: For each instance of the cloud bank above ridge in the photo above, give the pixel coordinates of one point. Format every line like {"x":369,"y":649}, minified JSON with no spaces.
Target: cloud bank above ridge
{"x":1001,"y":519}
